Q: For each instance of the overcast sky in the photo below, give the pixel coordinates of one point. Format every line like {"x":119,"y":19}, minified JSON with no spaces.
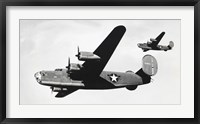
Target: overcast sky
{"x":47,"y":44}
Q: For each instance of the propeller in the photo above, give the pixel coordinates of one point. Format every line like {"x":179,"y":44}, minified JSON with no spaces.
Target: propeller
{"x":68,"y":67}
{"x":78,"y":52}
{"x":51,"y":89}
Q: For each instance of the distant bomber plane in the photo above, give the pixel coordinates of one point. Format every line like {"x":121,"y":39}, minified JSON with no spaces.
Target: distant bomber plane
{"x":90,"y":74}
{"x":153,"y":44}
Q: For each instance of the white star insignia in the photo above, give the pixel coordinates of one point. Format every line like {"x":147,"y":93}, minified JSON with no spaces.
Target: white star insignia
{"x":114,"y":77}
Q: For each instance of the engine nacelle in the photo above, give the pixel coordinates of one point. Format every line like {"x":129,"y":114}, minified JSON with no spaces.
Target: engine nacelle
{"x":153,"y":40}
{"x":148,"y":42}
{"x":74,"y":67}
{"x":84,"y":56}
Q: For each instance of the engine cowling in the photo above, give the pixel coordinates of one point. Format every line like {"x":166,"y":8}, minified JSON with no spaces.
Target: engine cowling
{"x":148,"y":42}
{"x":84,"y":56}
{"x":74,"y":67}
{"x":153,"y":40}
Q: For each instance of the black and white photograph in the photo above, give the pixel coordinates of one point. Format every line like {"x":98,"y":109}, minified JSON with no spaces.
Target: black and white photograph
{"x":100,"y":61}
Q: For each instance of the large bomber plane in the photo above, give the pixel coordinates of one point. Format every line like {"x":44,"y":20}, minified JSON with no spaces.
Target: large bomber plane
{"x":90,"y":74}
{"x":153,"y":44}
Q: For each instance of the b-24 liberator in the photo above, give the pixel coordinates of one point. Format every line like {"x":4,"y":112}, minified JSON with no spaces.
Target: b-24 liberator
{"x":90,"y":74}
{"x":153,"y":44}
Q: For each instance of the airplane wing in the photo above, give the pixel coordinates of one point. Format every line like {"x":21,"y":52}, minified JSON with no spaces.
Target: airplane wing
{"x":158,"y":39}
{"x":104,"y":51}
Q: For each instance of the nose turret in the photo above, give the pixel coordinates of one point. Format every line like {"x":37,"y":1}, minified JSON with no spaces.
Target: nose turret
{"x":38,"y":76}
{"x":139,"y":44}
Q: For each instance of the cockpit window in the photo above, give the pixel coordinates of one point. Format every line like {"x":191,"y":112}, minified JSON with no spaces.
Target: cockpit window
{"x":42,"y":73}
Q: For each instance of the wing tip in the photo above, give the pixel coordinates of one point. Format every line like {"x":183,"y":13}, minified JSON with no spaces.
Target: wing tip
{"x":163,"y":33}
{"x":121,"y":27}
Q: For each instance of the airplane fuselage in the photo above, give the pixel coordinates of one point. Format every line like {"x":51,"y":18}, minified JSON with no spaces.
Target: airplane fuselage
{"x":146,"y":47}
{"x":106,"y":80}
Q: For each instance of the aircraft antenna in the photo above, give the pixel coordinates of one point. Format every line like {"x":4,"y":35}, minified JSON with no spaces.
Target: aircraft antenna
{"x":68,"y":63}
{"x":78,"y":54}
{"x":78,"y":50}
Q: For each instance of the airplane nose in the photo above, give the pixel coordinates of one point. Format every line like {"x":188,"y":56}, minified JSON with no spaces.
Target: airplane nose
{"x":38,"y":76}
